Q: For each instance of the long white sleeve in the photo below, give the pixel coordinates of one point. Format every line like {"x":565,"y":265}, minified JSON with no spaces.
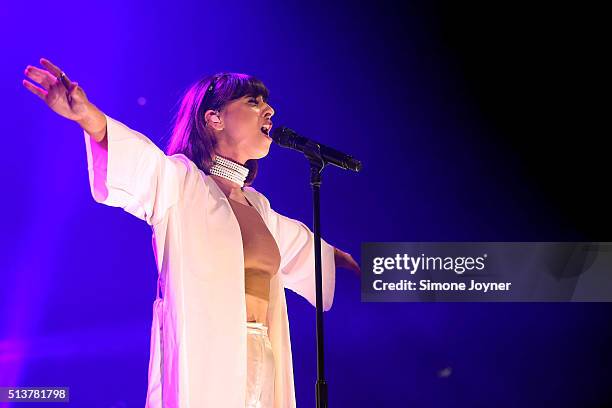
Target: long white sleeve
{"x":298,"y":261}
{"x":133,"y":173}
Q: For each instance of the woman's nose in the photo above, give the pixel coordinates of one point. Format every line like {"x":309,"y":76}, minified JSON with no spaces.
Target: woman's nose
{"x":269,"y":112}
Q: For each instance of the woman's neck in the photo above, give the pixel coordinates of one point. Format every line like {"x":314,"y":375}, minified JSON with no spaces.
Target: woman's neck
{"x":227,"y":186}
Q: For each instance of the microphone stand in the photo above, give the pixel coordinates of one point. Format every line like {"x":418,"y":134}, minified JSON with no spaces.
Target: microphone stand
{"x":318,"y":156}
{"x":312,"y":151}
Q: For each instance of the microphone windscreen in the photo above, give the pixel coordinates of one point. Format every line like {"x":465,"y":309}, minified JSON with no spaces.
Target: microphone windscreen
{"x":283,"y":136}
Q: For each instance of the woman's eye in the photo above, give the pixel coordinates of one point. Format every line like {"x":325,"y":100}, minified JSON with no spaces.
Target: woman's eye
{"x":253,"y":100}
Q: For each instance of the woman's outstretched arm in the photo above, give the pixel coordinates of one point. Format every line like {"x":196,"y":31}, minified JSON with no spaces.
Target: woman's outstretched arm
{"x":126,"y":169}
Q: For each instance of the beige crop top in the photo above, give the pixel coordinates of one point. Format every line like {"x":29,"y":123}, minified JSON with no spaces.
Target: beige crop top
{"x":261,"y":254}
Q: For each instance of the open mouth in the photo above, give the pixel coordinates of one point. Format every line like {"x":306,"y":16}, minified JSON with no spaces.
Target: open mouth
{"x":265,"y":131}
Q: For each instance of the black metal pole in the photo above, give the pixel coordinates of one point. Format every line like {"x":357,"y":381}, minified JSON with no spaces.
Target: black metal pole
{"x":313,"y":154}
{"x":286,"y":137}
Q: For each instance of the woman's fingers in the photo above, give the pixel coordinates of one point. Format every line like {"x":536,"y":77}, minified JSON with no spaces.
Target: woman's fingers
{"x":41,"y":93}
{"x":352,"y":264}
{"x":346,"y":261}
{"x":66,"y":82}
{"x":57,"y":73}
{"x":40,"y":76}
{"x":356,"y":268}
{"x":52,"y":68}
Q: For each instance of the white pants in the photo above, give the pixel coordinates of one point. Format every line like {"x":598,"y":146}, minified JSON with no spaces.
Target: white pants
{"x":260,"y":367}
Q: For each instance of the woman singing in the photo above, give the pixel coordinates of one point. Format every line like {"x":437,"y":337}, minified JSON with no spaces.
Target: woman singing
{"x":220,"y":332}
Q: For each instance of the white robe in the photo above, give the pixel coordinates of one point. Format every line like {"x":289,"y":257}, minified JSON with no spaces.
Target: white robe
{"x":198,"y":335}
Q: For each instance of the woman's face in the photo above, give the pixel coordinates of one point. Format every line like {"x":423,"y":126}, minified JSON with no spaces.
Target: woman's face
{"x":241,"y":136}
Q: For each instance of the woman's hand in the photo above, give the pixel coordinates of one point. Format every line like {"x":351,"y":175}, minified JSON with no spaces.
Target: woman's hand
{"x":65,"y":97}
{"x":345,"y":260}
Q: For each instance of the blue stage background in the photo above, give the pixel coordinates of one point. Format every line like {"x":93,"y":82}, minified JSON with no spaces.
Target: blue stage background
{"x":464,"y":116}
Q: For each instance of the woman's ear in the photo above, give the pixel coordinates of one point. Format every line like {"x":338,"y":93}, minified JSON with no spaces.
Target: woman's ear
{"x":213,"y":118}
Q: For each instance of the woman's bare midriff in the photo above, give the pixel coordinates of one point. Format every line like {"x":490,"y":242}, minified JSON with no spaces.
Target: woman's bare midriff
{"x":256,"y":308}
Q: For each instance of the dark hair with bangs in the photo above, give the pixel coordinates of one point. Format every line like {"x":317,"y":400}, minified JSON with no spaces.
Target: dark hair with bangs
{"x":190,"y":135}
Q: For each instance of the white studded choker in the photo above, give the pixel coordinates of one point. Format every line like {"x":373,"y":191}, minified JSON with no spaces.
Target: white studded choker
{"x":230,"y":170}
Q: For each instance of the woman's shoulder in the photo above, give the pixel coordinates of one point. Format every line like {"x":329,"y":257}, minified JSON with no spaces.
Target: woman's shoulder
{"x":180,"y":158}
{"x":189,"y":174}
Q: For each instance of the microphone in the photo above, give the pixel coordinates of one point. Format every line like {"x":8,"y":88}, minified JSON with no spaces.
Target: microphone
{"x":286,"y":137}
